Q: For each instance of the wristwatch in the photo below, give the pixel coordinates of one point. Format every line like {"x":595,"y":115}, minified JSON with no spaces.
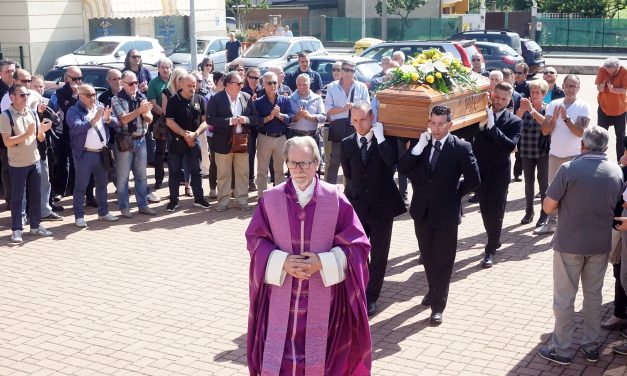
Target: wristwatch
{"x":567,"y":120}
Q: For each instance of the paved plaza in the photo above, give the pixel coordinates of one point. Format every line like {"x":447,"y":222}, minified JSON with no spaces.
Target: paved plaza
{"x":168,"y":295}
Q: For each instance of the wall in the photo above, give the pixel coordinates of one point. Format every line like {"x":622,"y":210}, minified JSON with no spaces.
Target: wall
{"x":353,"y":9}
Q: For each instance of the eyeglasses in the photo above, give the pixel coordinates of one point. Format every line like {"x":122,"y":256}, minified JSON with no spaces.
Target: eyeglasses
{"x":26,"y":81}
{"x":437,"y":125}
{"x":132,"y":83}
{"x":199,"y":81}
{"x":348,"y":70}
{"x":76,"y":79}
{"x":271,"y":83}
{"x":549,"y":72}
{"x":336,"y":69}
{"x":237,"y":83}
{"x":89,"y":95}
{"x":253,"y":77}
{"x":476,"y":59}
{"x":23,"y":95}
{"x":136,"y":57}
{"x":569,"y":86}
{"x":519,"y":72}
{"x":305,"y":165}
{"x":208,"y":65}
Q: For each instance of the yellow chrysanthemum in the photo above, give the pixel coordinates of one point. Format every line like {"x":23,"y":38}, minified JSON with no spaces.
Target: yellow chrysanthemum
{"x":438,"y":75}
{"x":415,"y":77}
{"x":429,"y":79}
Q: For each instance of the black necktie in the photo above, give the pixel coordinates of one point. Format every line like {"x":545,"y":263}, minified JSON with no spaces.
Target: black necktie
{"x":364,"y":149}
{"x":495,"y":118}
{"x":435,"y":156}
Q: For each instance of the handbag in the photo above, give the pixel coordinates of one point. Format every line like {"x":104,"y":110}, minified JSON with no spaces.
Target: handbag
{"x":544,"y":142}
{"x":124,"y":141}
{"x":240,"y":142}
{"x":106,"y":154}
{"x":342,"y":128}
{"x":160,"y":129}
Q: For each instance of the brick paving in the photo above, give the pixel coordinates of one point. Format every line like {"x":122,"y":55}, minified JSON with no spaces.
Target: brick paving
{"x":168,"y":295}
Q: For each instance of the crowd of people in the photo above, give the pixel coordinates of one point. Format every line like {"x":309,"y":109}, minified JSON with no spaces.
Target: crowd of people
{"x":239,"y":129}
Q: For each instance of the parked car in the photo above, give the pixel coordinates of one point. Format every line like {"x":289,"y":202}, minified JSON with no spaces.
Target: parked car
{"x":273,"y":51}
{"x":211,"y":47}
{"x":95,"y":75}
{"x":364,"y":70}
{"x":364,"y":43}
{"x":231,"y":24}
{"x":533,"y":55}
{"x":106,"y":50}
{"x":509,"y":38}
{"x":499,"y":56}
{"x":461,"y":50}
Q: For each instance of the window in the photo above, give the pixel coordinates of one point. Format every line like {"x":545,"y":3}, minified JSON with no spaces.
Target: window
{"x":215,"y":46}
{"x":126,"y":47}
{"x":142,"y":45}
{"x":296,"y":48}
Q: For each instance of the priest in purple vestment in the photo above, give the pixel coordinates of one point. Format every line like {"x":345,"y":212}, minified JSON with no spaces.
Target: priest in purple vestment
{"x":308,"y":273}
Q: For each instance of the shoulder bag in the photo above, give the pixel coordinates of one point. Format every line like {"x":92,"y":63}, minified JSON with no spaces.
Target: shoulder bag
{"x":341,"y":128}
{"x":106,"y":154}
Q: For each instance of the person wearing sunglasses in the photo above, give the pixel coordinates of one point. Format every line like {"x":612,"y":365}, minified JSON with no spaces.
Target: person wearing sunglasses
{"x":133,"y":63}
{"x":206,"y":68}
{"x":521,"y":86}
{"x":89,"y":123}
{"x":339,"y":100}
{"x":133,"y":112}
{"x":555,"y":92}
{"x":7,"y":68}
{"x":252,"y":86}
{"x":20,"y":129}
{"x":232,"y":114}
{"x":478,"y":66}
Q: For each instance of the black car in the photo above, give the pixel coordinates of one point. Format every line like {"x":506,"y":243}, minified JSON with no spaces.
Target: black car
{"x":498,"y":56}
{"x":323,"y":64}
{"x":533,"y":55}
{"x":509,"y":38}
{"x":95,"y":75}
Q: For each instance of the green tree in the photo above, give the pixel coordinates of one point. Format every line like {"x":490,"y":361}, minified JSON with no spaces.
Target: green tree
{"x":401,"y":8}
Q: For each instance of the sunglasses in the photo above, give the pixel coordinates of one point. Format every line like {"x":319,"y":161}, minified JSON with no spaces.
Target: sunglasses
{"x":348,"y":70}
{"x":237,"y":83}
{"x":136,"y":57}
{"x":476,"y":59}
{"x":336,"y":69}
{"x":550,"y":72}
{"x":24,"y":95}
{"x":253,"y":77}
{"x":271,"y":83}
{"x":76,"y":79}
{"x":132,"y":83}
{"x":26,"y":81}
{"x":208,"y":65}
{"x":89,"y":95}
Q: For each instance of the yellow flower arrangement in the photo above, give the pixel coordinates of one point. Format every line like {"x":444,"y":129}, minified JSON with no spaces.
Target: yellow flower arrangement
{"x":429,"y":79}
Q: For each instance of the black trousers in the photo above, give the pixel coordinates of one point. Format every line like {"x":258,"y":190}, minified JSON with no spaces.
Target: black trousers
{"x":619,"y":128}
{"x":160,"y":148}
{"x":620,"y":299}
{"x":492,"y":201}
{"x":63,"y":182}
{"x":380,"y":234}
{"x":437,"y":247}
{"x":6,"y":177}
{"x":529,"y":167}
{"x":518,"y":164}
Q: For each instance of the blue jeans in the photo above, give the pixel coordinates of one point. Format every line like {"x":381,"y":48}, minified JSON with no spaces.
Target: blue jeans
{"x":25,"y":179}
{"x":135,"y":160}
{"x":192,"y":159}
{"x":90,"y":162}
{"x":46,"y":188}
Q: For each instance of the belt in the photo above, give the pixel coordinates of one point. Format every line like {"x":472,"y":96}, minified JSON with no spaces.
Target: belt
{"x":275,"y":135}
{"x":94,"y":150}
{"x":137,"y":137}
{"x":304,"y":133}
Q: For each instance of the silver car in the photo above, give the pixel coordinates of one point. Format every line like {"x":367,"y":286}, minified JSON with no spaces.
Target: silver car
{"x":277,"y":51}
{"x":211,"y":47}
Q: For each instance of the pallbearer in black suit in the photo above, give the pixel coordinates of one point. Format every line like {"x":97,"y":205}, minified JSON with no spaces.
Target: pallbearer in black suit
{"x":493,"y":146}
{"x":434,"y":166}
{"x":368,"y":159}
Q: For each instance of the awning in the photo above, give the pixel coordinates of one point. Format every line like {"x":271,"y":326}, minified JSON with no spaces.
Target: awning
{"x":123,"y":8}
{"x":181,"y":7}
{"x":448,"y":3}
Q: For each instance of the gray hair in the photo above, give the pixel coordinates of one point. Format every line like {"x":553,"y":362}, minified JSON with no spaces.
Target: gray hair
{"x":128,"y":73}
{"x":111,"y":71}
{"x":303,"y":142}
{"x":305,"y":76}
{"x":399,"y":54}
{"x":163,"y":61}
{"x":497,"y":73}
{"x":269,"y":74}
{"x":611,"y":62}
{"x":595,"y":138}
{"x":572,"y":77}
{"x":386,"y":60}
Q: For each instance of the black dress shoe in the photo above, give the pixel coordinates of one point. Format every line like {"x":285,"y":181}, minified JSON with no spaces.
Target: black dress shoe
{"x":516,"y":179}
{"x":527,"y":219}
{"x":436,"y":318}
{"x":426,"y":301}
{"x":487,"y":262}
{"x":372,"y":308}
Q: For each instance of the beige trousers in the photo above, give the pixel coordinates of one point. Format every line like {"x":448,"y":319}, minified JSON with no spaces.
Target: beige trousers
{"x":239,"y":161}
{"x":204,"y":155}
{"x":269,"y":147}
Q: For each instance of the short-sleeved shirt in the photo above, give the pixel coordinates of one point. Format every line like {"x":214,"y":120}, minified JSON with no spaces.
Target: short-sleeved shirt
{"x":587,"y":189}
{"x":25,"y":153}
{"x":612,"y":104}
{"x":337,"y":97}
{"x":155,"y":88}
{"x":138,"y":127}
{"x":187,"y":113}
{"x":565,"y":143}
{"x":232,"y":50}
{"x":529,"y":135}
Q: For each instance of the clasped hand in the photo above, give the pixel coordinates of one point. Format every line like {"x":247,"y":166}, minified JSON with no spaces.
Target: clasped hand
{"x":302,"y":266}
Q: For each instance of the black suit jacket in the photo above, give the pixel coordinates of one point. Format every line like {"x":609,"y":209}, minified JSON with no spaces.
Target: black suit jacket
{"x":493,"y":148}
{"x":219,"y":114}
{"x":437,"y":194}
{"x":371,"y":188}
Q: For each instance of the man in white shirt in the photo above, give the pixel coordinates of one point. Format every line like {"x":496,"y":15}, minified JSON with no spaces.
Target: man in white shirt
{"x":565,"y":121}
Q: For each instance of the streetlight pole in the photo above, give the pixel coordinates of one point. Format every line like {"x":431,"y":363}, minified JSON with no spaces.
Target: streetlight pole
{"x":384,"y":20}
{"x":363,"y":18}
{"x":193,"y":48}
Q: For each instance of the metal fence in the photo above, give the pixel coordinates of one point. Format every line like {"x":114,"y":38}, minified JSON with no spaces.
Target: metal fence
{"x":299,"y":26}
{"x":349,"y":29}
{"x":583,"y":32}
{"x":102,"y":27}
{"x":171,"y":30}
{"x":15,"y":53}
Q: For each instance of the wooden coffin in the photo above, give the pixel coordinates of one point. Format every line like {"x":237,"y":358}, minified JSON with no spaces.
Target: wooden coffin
{"x":404,"y":110}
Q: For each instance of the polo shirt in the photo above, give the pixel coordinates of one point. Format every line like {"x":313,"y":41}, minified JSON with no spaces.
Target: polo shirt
{"x":315,"y":79}
{"x":155,"y":88}
{"x":187,"y":113}
{"x":232,"y":50}
{"x":23,"y":154}
{"x":265,"y":107}
{"x":612,"y":104}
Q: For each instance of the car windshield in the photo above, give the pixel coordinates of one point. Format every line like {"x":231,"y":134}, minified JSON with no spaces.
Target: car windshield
{"x":531,"y":45}
{"x":184,"y":47}
{"x":96,"y":48}
{"x":378,"y":52}
{"x":267,"y":50}
{"x":507,"y":50}
{"x":369,"y":69}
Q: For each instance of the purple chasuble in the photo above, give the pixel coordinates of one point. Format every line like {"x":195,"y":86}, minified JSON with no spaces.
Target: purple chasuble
{"x":286,"y":334}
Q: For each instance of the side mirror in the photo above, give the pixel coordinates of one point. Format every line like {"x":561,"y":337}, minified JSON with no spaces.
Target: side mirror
{"x":210,"y":52}
{"x":120,"y":53}
{"x":292,"y":56}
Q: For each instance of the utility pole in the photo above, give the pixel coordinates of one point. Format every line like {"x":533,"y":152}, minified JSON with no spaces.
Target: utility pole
{"x":384,"y":20}
{"x":193,"y":48}
{"x":363,"y":18}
